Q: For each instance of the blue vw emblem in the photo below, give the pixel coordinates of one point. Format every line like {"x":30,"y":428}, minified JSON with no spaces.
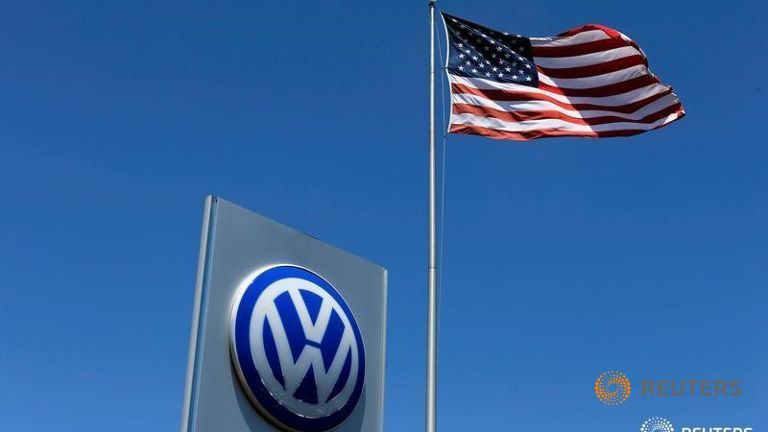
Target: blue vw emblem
{"x":297,"y":349}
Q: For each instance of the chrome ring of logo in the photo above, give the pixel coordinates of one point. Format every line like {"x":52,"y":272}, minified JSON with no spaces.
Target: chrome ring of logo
{"x":612,"y":387}
{"x":657,"y":424}
{"x":297,"y":349}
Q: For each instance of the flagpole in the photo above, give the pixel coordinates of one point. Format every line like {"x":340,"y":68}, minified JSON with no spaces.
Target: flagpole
{"x":431,"y":399}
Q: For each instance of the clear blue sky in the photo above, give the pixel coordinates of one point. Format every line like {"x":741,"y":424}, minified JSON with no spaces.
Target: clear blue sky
{"x":563,"y":258}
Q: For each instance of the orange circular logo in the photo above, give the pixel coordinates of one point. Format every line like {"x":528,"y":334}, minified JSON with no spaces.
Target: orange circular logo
{"x":612,"y":388}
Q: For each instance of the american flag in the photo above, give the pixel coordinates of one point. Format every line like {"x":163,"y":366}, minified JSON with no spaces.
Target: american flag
{"x":592,"y":81}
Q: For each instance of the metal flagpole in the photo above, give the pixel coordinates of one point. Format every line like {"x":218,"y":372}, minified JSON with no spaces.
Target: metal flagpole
{"x":431,"y":411}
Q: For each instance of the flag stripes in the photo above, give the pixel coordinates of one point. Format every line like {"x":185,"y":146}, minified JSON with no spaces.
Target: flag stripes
{"x":593,"y":81}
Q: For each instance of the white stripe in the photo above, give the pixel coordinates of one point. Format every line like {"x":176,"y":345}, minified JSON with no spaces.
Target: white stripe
{"x":625,"y":37}
{"x":597,"y":80}
{"x":583,"y":37}
{"x":610,"y":101}
{"x":492,"y":123}
{"x":647,"y":110}
{"x":586,"y":59}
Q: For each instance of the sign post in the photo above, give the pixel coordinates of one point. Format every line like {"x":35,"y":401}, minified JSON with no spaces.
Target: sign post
{"x":288,"y":332}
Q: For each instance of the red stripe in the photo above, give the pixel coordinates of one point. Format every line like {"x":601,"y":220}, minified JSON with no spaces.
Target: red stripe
{"x":595,"y":69}
{"x":613,"y":33}
{"x":501,"y":95}
{"x":580,"y":49}
{"x":542,"y":133}
{"x":520,"y":116}
{"x":585,"y":28}
{"x":603,"y":91}
{"x":534,"y":134}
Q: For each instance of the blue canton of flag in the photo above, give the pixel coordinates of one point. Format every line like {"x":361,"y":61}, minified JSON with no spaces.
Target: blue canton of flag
{"x":480,"y":52}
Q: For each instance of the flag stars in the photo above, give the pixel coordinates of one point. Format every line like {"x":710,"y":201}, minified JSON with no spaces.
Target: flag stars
{"x":488,"y":54}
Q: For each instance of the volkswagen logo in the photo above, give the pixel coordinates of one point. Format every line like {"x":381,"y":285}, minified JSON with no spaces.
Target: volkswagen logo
{"x":297,"y":349}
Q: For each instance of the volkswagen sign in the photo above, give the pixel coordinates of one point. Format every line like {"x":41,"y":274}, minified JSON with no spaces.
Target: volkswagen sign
{"x":297,"y":348}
